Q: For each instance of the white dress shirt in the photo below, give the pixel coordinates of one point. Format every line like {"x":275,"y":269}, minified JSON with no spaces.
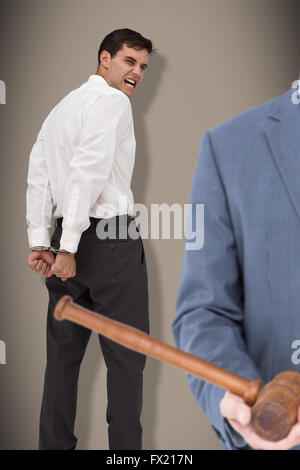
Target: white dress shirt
{"x":81,"y":163}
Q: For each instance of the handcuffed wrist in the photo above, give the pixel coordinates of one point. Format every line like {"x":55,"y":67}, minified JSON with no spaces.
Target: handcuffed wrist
{"x":40,"y":248}
{"x":61,"y":252}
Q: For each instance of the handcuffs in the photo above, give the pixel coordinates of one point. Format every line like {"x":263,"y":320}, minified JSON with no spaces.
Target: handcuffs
{"x":54,"y":250}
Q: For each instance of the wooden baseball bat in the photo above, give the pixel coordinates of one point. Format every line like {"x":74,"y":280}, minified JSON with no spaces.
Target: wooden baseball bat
{"x":276,"y":404}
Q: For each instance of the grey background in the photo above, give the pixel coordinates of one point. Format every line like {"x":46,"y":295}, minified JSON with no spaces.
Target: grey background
{"x":216,"y":58}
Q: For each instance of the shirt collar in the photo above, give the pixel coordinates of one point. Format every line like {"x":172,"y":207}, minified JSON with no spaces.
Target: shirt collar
{"x":97,"y":79}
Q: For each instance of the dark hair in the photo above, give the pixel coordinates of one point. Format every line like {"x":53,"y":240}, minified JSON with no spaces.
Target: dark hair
{"x":115,"y":40}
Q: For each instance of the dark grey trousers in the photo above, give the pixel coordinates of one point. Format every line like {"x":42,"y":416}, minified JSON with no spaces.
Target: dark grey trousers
{"x":111,"y":279}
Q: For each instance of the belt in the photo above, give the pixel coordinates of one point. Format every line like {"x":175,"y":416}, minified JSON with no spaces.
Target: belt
{"x":121,"y":220}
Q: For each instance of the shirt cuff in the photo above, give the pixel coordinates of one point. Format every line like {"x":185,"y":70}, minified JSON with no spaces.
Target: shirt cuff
{"x":69,"y":240}
{"x":38,"y":237}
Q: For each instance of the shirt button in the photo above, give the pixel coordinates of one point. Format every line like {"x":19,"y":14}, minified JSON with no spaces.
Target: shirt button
{"x":112,"y":245}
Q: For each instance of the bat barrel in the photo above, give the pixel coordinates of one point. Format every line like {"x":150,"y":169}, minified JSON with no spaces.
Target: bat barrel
{"x":276,"y":408}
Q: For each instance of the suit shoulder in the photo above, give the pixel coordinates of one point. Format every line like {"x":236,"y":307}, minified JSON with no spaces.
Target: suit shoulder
{"x":246,"y":122}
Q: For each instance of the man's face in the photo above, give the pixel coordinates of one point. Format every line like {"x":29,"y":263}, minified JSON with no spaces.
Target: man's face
{"x":125,"y":70}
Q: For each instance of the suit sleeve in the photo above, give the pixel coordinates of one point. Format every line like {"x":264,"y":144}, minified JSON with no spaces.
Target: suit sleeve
{"x":209,"y":322}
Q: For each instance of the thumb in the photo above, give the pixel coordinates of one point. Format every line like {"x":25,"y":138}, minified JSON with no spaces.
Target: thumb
{"x":233,"y":407}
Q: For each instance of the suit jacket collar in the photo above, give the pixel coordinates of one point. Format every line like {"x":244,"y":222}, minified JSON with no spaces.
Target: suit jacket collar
{"x":282,"y":131}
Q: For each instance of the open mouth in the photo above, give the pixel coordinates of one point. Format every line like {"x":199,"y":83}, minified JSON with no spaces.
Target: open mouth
{"x":130,"y":83}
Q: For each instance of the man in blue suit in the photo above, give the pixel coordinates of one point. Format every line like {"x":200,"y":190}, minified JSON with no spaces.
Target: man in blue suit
{"x":239,"y":298}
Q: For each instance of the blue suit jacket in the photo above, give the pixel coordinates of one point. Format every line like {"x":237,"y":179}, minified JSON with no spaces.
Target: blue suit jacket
{"x":239,"y":299}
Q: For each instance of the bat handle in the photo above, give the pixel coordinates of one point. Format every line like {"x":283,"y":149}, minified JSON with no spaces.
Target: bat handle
{"x":275,"y":405}
{"x":251,"y":391}
{"x":143,"y":343}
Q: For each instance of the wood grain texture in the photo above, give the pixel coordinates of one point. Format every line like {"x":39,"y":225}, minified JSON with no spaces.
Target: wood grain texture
{"x":276,"y":404}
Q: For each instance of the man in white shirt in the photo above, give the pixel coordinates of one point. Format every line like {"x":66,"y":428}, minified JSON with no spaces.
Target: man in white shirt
{"x":80,"y":171}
